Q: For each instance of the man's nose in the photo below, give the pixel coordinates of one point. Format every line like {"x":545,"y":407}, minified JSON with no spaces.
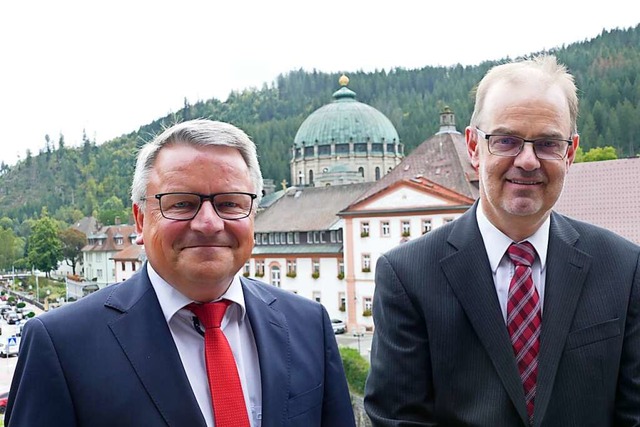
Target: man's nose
{"x":526,"y":158}
{"x":207,"y":217}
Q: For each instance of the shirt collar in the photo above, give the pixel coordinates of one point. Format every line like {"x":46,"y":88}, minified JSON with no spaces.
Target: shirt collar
{"x":496,"y":242}
{"x":171,"y":300}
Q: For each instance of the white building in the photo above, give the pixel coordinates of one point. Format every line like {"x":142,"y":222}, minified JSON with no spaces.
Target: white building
{"x":101,"y":247}
{"x":128,"y":261}
{"x":323,"y":242}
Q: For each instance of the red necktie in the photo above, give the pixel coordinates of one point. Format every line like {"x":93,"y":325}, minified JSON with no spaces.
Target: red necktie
{"x":524,"y":319}
{"x":229,"y":408}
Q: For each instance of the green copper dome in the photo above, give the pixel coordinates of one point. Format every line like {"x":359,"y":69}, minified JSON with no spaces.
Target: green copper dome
{"x":345,"y":120}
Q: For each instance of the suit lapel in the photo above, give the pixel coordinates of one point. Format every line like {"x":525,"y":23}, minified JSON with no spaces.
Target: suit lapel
{"x":567,"y":268}
{"x":144,"y":336}
{"x":272,"y":341}
{"x":469,"y":274}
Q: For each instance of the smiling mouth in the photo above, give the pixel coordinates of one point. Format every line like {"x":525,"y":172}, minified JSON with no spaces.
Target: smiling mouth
{"x":515,"y":181}
{"x":204,"y":246}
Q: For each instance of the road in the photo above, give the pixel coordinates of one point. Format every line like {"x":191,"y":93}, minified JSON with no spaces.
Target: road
{"x":8,"y":365}
{"x":361,"y":342}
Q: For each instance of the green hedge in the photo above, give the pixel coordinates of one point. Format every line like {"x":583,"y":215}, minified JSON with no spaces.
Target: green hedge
{"x":356,"y":369}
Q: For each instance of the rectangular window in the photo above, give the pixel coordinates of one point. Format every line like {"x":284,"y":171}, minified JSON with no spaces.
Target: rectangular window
{"x":260,"y":268}
{"x":309,"y":237}
{"x":342,"y":301}
{"x":124,"y":267}
{"x":256,"y":238}
{"x":271,"y":239}
{"x":316,"y":239}
{"x":316,"y":266}
{"x":341,"y":267}
{"x":366,"y":263}
{"x":385,"y":229}
{"x":291,"y":267}
{"x":133,"y":266}
{"x":296,"y":237}
{"x":367,"y":303}
{"x":426,"y":226}
{"x":406,"y":228}
{"x":332,"y":236}
{"x":364,"y":229}
{"x":289,"y":238}
{"x":247,"y":268}
{"x":317,"y":297}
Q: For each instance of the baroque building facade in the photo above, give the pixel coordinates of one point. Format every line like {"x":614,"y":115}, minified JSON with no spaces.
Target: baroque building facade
{"x":354,"y":197}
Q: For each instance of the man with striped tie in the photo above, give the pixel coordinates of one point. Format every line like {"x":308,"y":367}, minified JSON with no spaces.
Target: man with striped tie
{"x":511,"y":315}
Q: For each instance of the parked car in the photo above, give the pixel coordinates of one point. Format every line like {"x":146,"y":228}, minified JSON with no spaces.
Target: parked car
{"x":3,"y":401}
{"x":9,"y":346}
{"x":4,"y":308}
{"x":339,"y":327}
{"x":12,"y":318}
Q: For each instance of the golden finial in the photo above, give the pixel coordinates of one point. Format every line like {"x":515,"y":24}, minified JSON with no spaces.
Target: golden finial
{"x":284,"y":184}
{"x":343,"y":80}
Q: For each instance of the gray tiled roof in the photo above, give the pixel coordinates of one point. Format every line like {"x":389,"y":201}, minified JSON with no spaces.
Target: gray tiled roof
{"x":442,"y":159}
{"x":308,"y":208}
{"x":108,"y":234}
{"x":606,"y":194}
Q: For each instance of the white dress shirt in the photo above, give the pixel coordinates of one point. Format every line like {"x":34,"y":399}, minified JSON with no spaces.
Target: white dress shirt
{"x":190,"y":344}
{"x":496,"y":244}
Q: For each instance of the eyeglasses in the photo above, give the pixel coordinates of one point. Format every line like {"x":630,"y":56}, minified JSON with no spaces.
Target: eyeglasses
{"x":511,"y":146}
{"x":185,"y":206}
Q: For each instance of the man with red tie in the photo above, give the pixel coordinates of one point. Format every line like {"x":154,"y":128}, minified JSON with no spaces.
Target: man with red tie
{"x":186,"y":342}
{"x":512,"y":315}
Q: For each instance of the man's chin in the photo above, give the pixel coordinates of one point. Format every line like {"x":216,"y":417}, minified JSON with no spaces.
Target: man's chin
{"x":523,"y":207}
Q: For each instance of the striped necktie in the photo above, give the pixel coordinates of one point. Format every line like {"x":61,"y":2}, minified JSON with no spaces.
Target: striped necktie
{"x":524,"y":319}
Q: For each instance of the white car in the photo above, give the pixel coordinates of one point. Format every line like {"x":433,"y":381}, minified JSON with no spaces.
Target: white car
{"x":339,"y":326}
{"x":9,"y":346}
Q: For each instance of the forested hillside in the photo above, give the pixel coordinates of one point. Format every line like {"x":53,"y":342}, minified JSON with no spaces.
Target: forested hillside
{"x":94,"y":180}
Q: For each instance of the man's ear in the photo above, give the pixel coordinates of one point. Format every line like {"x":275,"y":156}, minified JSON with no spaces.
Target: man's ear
{"x":573,"y":148}
{"x":471,"y":138}
{"x":138,"y":215}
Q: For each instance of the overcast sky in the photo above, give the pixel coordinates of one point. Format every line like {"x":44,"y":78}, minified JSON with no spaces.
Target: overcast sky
{"x":110,"y":68}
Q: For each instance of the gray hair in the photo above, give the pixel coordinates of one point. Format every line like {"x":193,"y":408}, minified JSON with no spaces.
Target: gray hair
{"x":544,"y":66}
{"x":200,"y":132}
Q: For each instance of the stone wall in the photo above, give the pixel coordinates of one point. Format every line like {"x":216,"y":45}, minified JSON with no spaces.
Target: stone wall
{"x":362,"y":420}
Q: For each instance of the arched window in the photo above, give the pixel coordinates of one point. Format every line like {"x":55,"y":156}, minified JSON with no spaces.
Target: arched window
{"x":361,"y":171}
{"x":377,"y":173}
{"x":275,"y":276}
{"x":310,"y":177}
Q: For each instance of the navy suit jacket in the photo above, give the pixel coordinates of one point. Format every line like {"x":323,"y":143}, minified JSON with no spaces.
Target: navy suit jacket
{"x":441,"y":353}
{"x":110,"y":360}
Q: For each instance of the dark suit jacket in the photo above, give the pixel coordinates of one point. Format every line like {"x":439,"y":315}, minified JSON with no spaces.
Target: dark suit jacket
{"x":110,"y":360}
{"x":441,"y":354}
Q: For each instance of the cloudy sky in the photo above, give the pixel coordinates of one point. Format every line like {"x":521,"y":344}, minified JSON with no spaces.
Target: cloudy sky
{"x":68,"y":66}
